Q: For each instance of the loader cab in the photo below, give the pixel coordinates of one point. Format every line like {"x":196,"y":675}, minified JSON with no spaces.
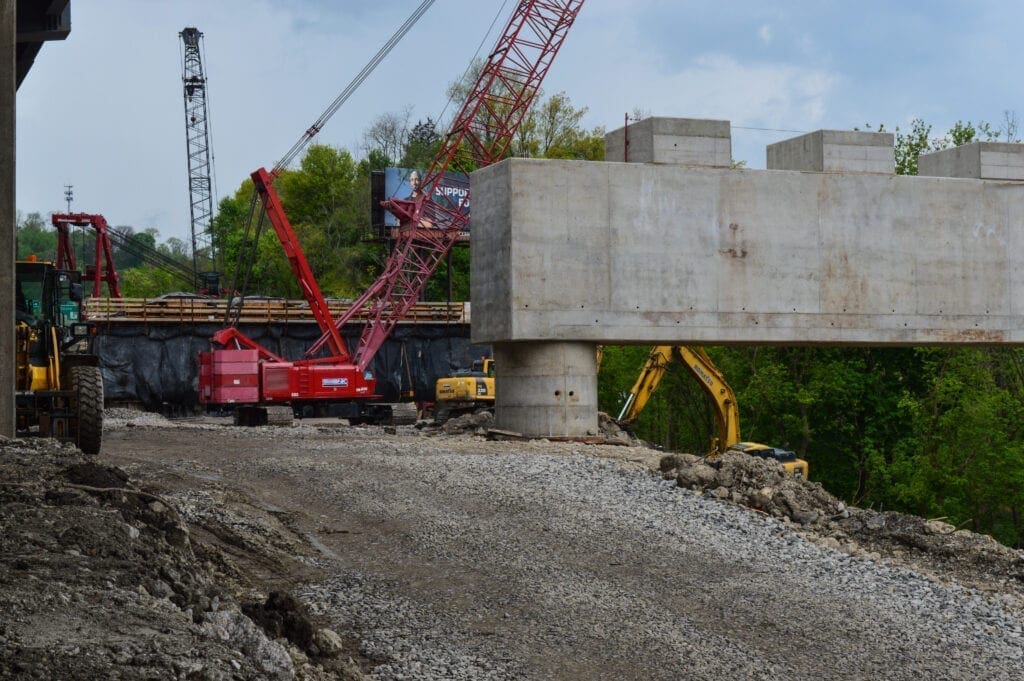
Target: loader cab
{"x":44,"y":293}
{"x":58,"y":383}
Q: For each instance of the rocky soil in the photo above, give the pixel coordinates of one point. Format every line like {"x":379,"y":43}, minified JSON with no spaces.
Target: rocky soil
{"x":194,"y":549}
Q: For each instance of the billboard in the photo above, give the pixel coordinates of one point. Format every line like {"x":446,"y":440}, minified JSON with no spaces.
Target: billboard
{"x":452,"y":193}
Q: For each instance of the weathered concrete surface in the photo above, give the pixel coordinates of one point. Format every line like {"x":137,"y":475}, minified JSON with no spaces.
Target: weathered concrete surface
{"x":686,"y":141}
{"x":978,"y":160}
{"x":640,"y":253}
{"x":8,"y":87}
{"x":830,"y":151}
{"x":546,"y":389}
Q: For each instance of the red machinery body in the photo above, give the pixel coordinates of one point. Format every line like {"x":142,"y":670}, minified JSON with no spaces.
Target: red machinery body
{"x":244,"y":372}
{"x":239,"y":377}
{"x":229,"y":377}
{"x":312,"y":380}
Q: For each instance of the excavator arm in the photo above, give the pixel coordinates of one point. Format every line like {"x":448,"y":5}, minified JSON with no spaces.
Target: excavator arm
{"x":700,"y":366}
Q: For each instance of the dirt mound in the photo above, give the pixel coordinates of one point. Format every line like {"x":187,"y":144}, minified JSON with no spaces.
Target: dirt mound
{"x":98,"y":580}
{"x":757,"y":483}
{"x":476,"y":423}
{"x":970,"y":558}
{"x":610,"y":429}
{"x":95,"y":475}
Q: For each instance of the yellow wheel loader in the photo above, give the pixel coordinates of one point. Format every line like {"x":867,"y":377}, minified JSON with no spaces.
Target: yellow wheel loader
{"x":58,"y":384}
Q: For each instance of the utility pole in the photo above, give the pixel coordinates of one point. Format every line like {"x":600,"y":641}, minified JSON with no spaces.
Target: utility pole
{"x":69,"y":195}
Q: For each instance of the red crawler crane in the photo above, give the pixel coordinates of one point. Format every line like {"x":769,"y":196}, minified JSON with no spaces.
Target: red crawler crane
{"x":480,"y":134}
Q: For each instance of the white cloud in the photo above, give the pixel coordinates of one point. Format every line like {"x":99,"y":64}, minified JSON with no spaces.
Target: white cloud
{"x":714,"y":85}
{"x":765,"y":34}
{"x":764,"y":93}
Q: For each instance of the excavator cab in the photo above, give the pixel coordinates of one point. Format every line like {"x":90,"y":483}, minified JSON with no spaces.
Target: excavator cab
{"x":465,"y":392}
{"x":787,"y":458}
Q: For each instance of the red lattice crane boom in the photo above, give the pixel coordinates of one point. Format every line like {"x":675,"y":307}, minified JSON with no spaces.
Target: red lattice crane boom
{"x":479,"y":135}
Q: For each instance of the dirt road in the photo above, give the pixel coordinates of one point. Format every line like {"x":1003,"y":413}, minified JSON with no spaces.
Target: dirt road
{"x":444,"y":557}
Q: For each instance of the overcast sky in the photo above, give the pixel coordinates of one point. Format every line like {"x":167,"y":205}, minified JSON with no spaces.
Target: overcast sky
{"x":103,"y":110}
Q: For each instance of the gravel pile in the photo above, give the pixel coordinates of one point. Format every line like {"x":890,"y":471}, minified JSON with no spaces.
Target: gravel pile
{"x":763,"y":485}
{"x":571,"y":566}
{"x":120,"y":417}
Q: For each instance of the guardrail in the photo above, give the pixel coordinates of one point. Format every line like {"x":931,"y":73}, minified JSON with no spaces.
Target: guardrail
{"x":195,"y":310}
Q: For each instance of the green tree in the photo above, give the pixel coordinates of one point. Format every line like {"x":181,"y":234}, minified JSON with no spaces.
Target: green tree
{"x":326,"y":200}
{"x":135,"y":245}
{"x":35,"y":237}
{"x":148,"y":282}
{"x":421,"y":145}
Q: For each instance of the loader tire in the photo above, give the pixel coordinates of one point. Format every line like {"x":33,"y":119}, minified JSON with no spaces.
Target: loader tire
{"x":88,"y":381}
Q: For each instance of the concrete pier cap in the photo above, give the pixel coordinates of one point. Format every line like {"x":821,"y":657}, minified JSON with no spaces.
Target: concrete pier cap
{"x":833,"y":249}
{"x":680,"y":141}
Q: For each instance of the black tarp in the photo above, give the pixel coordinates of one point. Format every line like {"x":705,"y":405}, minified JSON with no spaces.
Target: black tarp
{"x":156,"y":365}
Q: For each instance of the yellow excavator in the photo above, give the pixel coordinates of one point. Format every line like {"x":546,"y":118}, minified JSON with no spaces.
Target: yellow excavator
{"x":465,"y":392}
{"x":723,"y":399}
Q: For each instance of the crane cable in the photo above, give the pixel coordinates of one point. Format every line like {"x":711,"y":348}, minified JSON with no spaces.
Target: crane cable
{"x":347,"y":92}
{"x":472,"y":61}
{"x":247,"y":251}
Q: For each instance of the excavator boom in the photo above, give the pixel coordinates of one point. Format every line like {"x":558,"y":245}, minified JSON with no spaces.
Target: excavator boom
{"x":700,"y":366}
{"x":723,"y":399}
{"x":479,"y":135}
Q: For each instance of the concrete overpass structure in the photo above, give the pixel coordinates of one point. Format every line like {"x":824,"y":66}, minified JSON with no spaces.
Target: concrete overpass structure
{"x":826,"y":246}
{"x":24,"y":26}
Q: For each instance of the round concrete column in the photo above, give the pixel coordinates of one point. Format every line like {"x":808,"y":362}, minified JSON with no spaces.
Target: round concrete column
{"x":546,"y":389}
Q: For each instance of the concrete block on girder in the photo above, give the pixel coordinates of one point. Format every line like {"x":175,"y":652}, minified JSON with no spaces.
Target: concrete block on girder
{"x":977,"y":160}
{"x":835,"y":151}
{"x":684,"y":141}
{"x":644,"y":253}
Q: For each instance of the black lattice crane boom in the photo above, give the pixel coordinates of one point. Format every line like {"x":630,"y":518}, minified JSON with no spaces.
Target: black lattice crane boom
{"x":197,"y":141}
